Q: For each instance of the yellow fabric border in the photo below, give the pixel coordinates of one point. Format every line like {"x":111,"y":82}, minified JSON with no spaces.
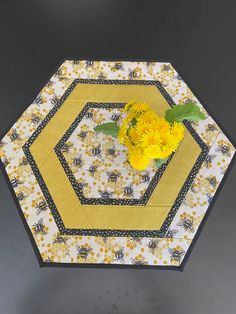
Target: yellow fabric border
{"x":75,"y":215}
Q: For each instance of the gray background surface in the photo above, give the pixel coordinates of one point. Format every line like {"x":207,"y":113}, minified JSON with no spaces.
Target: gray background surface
{"x":198,"y":36}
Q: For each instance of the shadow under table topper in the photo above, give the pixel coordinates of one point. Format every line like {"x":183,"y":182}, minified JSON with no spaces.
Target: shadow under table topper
{"x":81,"y":201}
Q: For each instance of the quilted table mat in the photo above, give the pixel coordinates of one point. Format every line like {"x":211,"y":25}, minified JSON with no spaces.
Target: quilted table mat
{"x":81,"y":201}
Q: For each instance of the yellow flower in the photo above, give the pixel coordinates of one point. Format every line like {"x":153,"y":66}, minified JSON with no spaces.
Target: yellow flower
{"x":161,"y":125}
{"x":166,"y":139}
{"x":130,"y":117}
{"x":129,"y":144}
{"x":135,"y":107}
{"x":134,"y":136}
{"x":138,"y":160}
{"x":147,"y":136}
{"x":168,"y":144}
{"x":177,"y":131}
{"x":157,"y":151}
{"x":139,"y":107}
{"x":165,"y":152}
{"x":152,"y":151}
{"x":142,"y":127}
{"x":150,"y":137}
{"x":158,"y":144}
{"x":147,"y":117}
{"x":128,"y":105}
{"x":122,"y":135}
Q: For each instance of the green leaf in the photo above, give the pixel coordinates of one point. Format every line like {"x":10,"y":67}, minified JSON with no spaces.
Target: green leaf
{"x":189,"y":111}
{"x":160,"y":162}
{"x":109,"y":128}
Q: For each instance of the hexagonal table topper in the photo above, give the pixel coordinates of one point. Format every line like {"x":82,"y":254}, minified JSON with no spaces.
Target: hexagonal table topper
{"x":81,"y":200}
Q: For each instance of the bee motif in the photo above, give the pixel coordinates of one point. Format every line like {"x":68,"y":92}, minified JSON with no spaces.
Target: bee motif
{"x":77,"y":162}
{"x":89,"y":115}
{"x":115,"y":117}
{"x":187,"y":224}
{"x":185,"y":202}
{"x":153,"y":245}
{"x":38,"y":100}
{"x":193,"y":188}
{"x":59,"y":72}
{"x":209,"y":159}
{"x":66,"y":148}
{"x":128,"y":191}
{"x":211,"y":127}
{"x":54,"y":100}
{"x":178,"y":77}
{"x":76,"y":62}
{"x":171,"y":233}
{"x":89,"y":64}
{"x":145,"y":177}
{"x":5,"y":161}
{"x":102,"y":76}
{"x":92,"y":169}
{"x":14,"y":136}
{"x":20,"y":196}
{"x":23,"y":162}
{"x":96,"y":151}
{"x":176,"y":254}
{"x":112,"y":176}
{"x":118,"y":66}
{"x":39,"y":227}
{"x":139,"y":261}
{"x":213,"y":182}
{"x":149,"y":64}
{"x":223,"y":171}
{"x":61,"y":78}
{"x":104,"y":239}
{"x":224,"y":150}
{"x":49,"y":83}
{"x":136,"y":239}
{"x":82,"y":185}
{"x":166,"y":67}
{"x":16,"y":182}
{"x":111,"y":151}
{"x":42,"y":206}
{"x":189,"y":100}
{"x":35,"y":119}
{"x":83,"y":252}
{"x":82,"y":135}
{"x":48,"y":260}
{"x":209,"y":198}
{"x":133,"y":74}
{"x":119,"y":255}
{"x":105,"y":194}
{"x":59,"y":239}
